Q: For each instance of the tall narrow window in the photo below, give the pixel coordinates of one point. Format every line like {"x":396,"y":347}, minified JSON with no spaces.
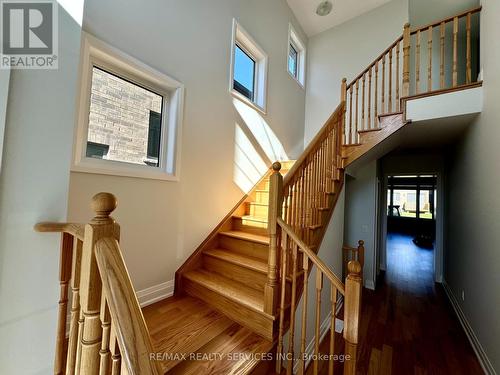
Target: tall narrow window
{"x":244,"y":73}
{"x":248,"y":69}
{"x":296,"y":62}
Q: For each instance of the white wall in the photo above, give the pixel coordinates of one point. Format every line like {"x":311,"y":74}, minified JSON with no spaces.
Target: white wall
{"x":472,"y":258}
{"x":4,"y":94}
{"x":361,"y":216}
{"x":344,"y":51}
{"x":163,"y":222}
{"x":34,"y":187}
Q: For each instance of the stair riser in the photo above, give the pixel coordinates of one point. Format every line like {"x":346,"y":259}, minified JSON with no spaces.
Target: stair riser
{"x":257,"y":210}
{"x":264,"y":185}
{"x":262,"y":197}
{"x":246,"y":276}
{"x":249,"y":318}
{"x":244,"y":247}
{"x":255,"y":228}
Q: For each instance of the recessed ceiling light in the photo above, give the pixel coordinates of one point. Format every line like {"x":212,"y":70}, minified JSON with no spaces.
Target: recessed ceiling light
{"x":324,"y":8}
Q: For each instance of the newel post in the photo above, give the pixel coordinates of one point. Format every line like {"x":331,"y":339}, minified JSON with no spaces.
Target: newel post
{"x":343,"y":90}
{"x":406,"y":60}
{"x":361,"y":255}
{"x":352,"y":312}
{"x":102,"y":225}
{"x":275,"y":206}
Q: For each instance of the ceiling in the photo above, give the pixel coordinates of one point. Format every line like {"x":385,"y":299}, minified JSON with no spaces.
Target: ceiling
{"x":343,"y":10}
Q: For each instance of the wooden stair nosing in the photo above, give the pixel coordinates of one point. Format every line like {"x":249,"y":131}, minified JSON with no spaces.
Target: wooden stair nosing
{"x":263,"y":240}
{"x":370,"y":130}
{"x":229,"y":256}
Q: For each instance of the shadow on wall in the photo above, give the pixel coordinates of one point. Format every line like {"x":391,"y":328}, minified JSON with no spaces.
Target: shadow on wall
{"x":255,"y":147}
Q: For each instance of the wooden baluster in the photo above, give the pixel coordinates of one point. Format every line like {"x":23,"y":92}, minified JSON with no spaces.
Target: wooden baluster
{"x":417,"y":63}
{"x":442,"y":31}
{"x":369,"y":98}
{"x":281,"y":332}
{"x":375,"y":99}
{"x":105,"y":364}
{"x":303,"y":338}
{"x":468,"y":74}
{"x":361,"y":254}
{"x":319,"y":288}
{"x":350,"y":114}
{"x":356,"y":127}
{"x":389,"y":104}
{"x":275,"y":207}
{"x":102,"y":225}
{"x":363,"y":104}
{"x":291,"y":335}
{"x":333,"y":312}
{"x":65,"y":263}
{"x":406,"y":60}
{"x":75,"y":307}
{"x":429,"y":64}
{"x":343,"y":98}
{"x":383,"y":86}
{"x":352,"y":311}
{"x":455,"y":51}
{"x":397,"y":77}
{"x":116,"y":358}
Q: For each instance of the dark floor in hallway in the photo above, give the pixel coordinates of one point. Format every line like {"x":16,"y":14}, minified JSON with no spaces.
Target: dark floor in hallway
{"x":408,"y":325}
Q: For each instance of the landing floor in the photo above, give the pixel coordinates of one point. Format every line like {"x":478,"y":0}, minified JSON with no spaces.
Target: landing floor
{"x":188,"y":326}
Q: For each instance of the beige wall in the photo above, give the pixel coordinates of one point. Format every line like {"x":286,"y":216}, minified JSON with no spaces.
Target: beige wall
{"x":163,"y":222}
{"x":472,"y":259}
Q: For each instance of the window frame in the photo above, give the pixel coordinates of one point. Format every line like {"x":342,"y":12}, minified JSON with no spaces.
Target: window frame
{"x":113,"y":61}
{"x":248,"y":45}
{"x":299,"y":46}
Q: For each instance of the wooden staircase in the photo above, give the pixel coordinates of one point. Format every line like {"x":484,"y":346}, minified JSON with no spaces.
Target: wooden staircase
{"x":237,"y":294}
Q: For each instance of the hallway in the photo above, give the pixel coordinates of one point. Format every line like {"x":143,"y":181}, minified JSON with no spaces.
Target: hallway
{"x":408,"y":325}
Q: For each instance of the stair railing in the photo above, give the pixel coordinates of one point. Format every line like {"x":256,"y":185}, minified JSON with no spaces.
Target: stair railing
{"x":297,"y":261}
{"x":385,"y":85}
{"x":107,"y":332}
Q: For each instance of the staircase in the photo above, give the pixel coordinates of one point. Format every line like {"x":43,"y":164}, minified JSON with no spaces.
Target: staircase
{"x":238,"y":294}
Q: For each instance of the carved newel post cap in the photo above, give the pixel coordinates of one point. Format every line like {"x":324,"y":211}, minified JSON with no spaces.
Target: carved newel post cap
{"x":354,"y":267}
{"x":361,"y":243}
{"x":276,"y":166}
{"x":344,"y":80}
{"x":407,"y":25}
{"x":103,"y":204}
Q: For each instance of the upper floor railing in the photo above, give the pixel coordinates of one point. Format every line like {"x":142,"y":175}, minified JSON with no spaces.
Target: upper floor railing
{"x":434,"y":58}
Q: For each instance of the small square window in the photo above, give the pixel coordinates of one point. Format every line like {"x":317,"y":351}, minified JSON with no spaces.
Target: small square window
{"x":244,"y":73}
{"x":293,"y":61}
{"x":124,"y":120}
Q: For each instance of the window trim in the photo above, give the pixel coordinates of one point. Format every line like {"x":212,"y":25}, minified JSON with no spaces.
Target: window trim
{"x":249,"y":46}
{"x":295,"y":41}
{"x":110,"y":59}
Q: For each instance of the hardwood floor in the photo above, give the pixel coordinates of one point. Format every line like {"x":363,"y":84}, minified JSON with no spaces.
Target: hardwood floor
{"x":210,"y":342}
{"x":408,"y":325}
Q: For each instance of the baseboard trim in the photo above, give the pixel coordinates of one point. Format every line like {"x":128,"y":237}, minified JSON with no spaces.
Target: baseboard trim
{"x":476,"y":345}
{"x":369,"y":284}
{"x":155,"y":293}
{"x":324,"y":328}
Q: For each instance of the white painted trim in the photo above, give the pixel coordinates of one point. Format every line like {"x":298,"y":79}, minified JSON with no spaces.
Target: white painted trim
{"x":109,"y":58}
{"x":293,"y":38}
{"x":155,"y":293}
{"x":261,"y":65}
{"x":4,"y":88}
{"x":323,"y":330}
{"x":476,"y":345}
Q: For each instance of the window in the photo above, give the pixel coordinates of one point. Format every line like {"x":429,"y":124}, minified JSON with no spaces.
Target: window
{"x":244,"y":73}
{"x":412,"y":196}
{"x":129,"y":116}
{"x":296,"y":60}
{"x":248,"y":69}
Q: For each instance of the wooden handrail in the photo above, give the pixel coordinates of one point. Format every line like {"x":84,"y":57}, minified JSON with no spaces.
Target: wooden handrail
{"x":339,"y":285}
{"x":447,"y":19}
{"x":131,"y":330}
{"x":75,"y":229}
{"x":378,"y":58}
{"x":313,"y":144}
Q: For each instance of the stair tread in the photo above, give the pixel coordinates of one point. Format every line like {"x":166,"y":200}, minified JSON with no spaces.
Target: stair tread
{"x":255,"y":264}
{"x":228,"y":288}
{"x":247,"y":236}
{"x":258,"y":219}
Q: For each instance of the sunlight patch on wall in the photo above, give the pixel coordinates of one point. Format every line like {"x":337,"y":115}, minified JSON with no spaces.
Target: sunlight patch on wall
{"x":262,"y":132}
{"x":248,"y":165}
{"x":74,"y":8}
